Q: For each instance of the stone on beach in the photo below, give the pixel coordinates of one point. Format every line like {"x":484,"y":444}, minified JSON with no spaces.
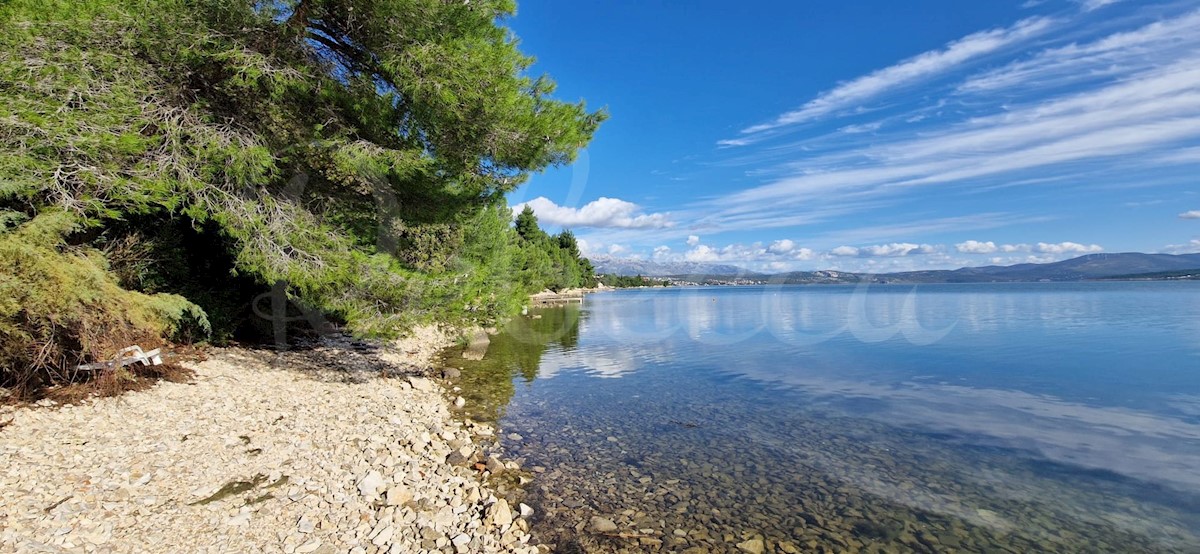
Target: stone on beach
{"x":500,"y":514}
{"x":308,"y":451}
{"x":371,"y":485}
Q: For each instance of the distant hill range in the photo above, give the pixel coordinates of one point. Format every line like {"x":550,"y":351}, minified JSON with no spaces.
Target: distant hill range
{"x":1091,"y":266}
{"x":1127,"y":265}
{"x":645,"y":268}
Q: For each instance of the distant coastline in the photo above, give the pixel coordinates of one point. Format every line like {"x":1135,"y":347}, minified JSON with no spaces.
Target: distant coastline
{"x":1182,"y":275}
{"x":1118,"y":266}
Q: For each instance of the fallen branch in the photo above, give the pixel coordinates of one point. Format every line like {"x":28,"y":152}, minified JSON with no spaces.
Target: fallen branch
{"x":51,"y":507}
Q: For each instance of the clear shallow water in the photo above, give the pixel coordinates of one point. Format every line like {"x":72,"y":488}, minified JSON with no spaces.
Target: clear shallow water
{"x":988,"y":418}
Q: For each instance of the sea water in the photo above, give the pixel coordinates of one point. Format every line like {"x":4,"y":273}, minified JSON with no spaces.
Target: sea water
{"x":882,"y":418}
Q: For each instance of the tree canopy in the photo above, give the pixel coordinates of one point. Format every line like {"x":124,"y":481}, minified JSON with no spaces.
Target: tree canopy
{"x":358,"y":150}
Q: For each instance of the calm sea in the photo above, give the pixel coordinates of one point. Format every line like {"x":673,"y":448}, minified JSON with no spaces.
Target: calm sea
{"x":978,"y":418}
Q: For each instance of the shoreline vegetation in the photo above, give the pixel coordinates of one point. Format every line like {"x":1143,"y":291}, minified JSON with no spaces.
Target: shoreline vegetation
{"x":180,"y":172}
{"x":208,"y":177}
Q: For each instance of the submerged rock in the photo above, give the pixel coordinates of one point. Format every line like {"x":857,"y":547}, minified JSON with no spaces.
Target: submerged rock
{"x":602,"y":525}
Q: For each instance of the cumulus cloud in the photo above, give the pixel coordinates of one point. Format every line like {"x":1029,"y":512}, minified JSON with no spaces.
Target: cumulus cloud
{"x":1191,"y":214}
{"x":1067,"y":248}
{"x":702,"y":253}
{"x":693,"y":240}
{"x":602,"y":212}
{"x":803,"y":254}
{"x":1015,"y":248}
{"x":976,"y":247}
{"x":617,"y":249}
{"x":661,"y":252}
{"x":781,"y":247}
{"x":755,"y":254}
{"x":893,"y":250}
{"x":1191,"y":247}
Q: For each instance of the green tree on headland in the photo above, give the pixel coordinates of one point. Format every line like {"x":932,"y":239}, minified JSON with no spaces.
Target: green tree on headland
{"x":194,"y":151}
{"x":551,"y":261}
{"x":626,"y":281}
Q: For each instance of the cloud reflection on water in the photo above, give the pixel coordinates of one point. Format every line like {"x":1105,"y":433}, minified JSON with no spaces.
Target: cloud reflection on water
{"x":632,"y":330}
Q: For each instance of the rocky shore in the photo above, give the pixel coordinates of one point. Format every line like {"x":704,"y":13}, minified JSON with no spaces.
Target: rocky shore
{"x":341,"y":448}
{"x":565,"y":296}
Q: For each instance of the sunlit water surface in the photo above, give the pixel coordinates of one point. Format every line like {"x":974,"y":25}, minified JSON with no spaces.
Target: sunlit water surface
{"x":979,"y":418}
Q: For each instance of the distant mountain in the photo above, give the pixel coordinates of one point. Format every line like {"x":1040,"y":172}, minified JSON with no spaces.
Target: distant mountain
{"x":646,"y":268}
{"x":1091,"y":266}
{"x":817,"y":277}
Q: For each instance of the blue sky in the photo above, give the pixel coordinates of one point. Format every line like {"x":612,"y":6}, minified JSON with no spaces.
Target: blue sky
{"x":874,"y":135}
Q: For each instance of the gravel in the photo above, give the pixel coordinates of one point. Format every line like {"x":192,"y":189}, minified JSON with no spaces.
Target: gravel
{"x":305,"y":451}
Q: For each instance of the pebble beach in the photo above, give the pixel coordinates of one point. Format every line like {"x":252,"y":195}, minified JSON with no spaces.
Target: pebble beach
{"x":340,"y":448}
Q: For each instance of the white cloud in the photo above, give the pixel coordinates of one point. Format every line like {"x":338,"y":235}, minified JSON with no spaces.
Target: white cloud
{"x":661,"y":252}
{"x":851,"y":93}
{"x":781,"y":253}
{"x":702,"y":253}
{"x":1182,"y":156}
{"x":602,"y":212}
{"x":781,"y":247}
{"x":1191,"y":247}
{"x":1079,"y":107}
{"x":734,"y":142}
{"x":585,"y":247}
{"x":1067,"y":248}
{"x":1191,"y":214}
{"x":693,"y":240}
{"x":897,"y":249}
{"x":616,"y":249}
{"x":892,"y":250}
{"x":989,"y":247}
{"x":1101,"y":57}
{"x":862,"y":128}
{"x":1090,"y":5}
{"x":1142,"y":114}
{"x":976,"y":247}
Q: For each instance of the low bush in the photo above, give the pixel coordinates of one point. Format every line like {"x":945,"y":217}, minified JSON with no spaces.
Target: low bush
{"x":60,"y":307}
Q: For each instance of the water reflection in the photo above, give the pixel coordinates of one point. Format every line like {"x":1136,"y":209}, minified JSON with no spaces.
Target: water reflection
{"x":972,"y":418}
{"x":515,"y":355}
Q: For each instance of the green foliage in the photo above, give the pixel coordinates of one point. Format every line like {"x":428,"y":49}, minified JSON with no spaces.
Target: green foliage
{"x":550,"y":262}
{"x":60,"y":306}
{"x":625,"y":281}
{"x":527,"y":225}
{"x":357,"y":149}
